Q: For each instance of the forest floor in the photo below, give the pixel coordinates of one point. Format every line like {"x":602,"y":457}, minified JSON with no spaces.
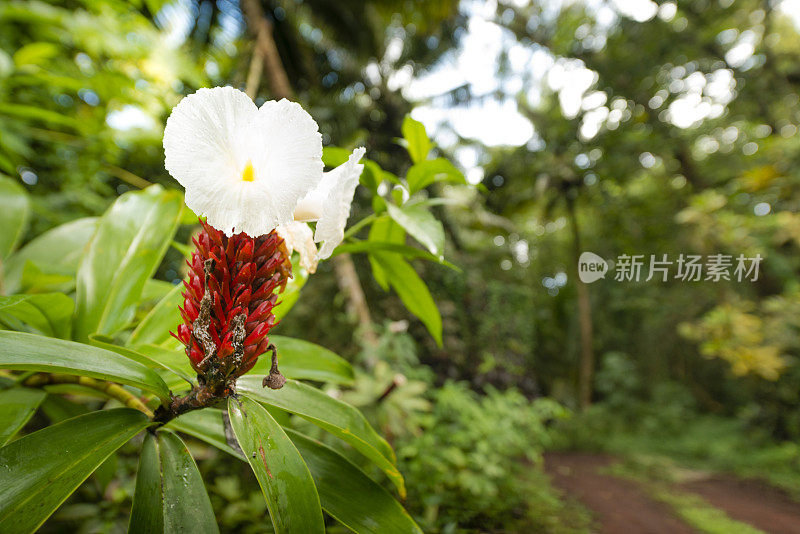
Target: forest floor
{"x":700,"y":503}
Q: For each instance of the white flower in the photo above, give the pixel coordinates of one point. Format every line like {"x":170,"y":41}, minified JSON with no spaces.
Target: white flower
{"x":244,"y":168}
{"x":329,"y":205}
{"x":298,"y":236}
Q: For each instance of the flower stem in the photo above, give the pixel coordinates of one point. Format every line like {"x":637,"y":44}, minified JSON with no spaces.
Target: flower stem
{"x":203,"y":396}
{"x":359,"y":225}
{"x":112,"y":390}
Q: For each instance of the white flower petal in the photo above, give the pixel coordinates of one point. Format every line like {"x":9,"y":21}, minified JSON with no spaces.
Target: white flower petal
{"x":310,"y":208}
{"x":298,"y":236}
{"x":214,"y":135}
{"x":338,"y":185}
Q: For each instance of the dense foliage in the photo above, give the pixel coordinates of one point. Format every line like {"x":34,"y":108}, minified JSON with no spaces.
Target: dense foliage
{"x":668,"y":130}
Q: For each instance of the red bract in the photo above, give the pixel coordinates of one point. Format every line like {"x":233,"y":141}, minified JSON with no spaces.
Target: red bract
{"x":233,"y":285}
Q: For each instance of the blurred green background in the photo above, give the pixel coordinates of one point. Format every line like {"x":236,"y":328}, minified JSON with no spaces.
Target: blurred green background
{"x":617,"y":127}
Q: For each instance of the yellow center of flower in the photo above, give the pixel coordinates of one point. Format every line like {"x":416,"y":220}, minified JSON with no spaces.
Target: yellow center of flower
{"x":248,"y":174}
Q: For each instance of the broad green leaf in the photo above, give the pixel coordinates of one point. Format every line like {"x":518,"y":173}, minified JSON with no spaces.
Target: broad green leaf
{"x":160,"y":321}
{"x":36,"y":280}
{"x":424,"y":173}
{"x":338,"y":418}
{"x":35,"y":53}
{"x":130,"y":242}
{"x":403,"y":250}
{"x":283,"y":476}
{"x":49,"y":314}
{"x":56,"y":251}
{"x":206,"y":425}
{"x":384,"y":230}
{"x":40,"y":470}
{"x":413,"y":292}
{"x":345,"y":492}
{"x":17,"y":406}
{"x":31,"y":352}
{"x":421,"y":225}
{"x":37,"y":113}
{"x":349,"y":495}
{"x":303,"y":360}
{"x":154,"y":357}
{"x":58,"y":409}
{"x":154,"y":290}
{"x":170,"y":495}
{"x":15,"y":211}
{"x":418,"y":143}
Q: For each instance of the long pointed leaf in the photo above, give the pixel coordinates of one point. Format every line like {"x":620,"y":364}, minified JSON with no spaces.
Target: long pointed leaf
{"x":205,"y":425}
{"x":345,"y":492}
{"x":17,"y":405}
{"x":31,"y":352}
{"x":131,"y":239}
{"x":15,"y":210}
{"x":39,"y":471}
{"x":49,"y":314}
{"x":170,"y":495}
{"x":349,"y":495}
{"x":283,"y":476}
{"x":335,"y":416}
{"x":163,"y":318}
{"x":57,"y":251}
{"x":420,"y":224}
{"x":412,"y":291}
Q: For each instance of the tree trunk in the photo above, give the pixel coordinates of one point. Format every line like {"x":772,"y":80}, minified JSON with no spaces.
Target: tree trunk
{"x":279,"y":86}
{"x":586,"y":369}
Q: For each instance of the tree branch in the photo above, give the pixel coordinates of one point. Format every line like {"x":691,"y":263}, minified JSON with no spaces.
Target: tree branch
{"x":112,"y":390}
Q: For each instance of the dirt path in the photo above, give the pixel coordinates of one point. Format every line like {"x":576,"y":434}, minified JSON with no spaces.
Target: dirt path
{"x":764,"y":507}
{"x":619,"y":506}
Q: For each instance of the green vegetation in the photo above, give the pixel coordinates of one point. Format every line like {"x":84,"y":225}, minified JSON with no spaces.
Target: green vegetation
{"x":449,"y":342}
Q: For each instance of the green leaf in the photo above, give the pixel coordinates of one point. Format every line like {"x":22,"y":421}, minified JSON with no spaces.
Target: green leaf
{"x":403,"y":250}
{"x":170,"y":495}
{"x":283,"y":476}
{"x":152,"y":356}
{"x":335,"y":416}
{"x":56,"y":251}
{"x":38,"y":353}
{"x":206,"y":425}
{"x":40,"y":470}
{"x":418,"y":143}
{"x":303,"y":360}
{"x":413,"y":292}
{"x":350,"y":496}
{"x":58,"y":409}
{"x":20,"y":111}
{"x":130,"y":242}
{"x":49,"y":314}
{"x":384,"y":230}
{"x":15,"y":211}
{"x":421,"y":224}
{"x":35,"y":53}
{"x":35,"y":280}
{"x":424,"y":173}
{"x":345,"y":492}
{"x":154,"y":290}
{"x":163,"y":318}
{"x":17,"y":406}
